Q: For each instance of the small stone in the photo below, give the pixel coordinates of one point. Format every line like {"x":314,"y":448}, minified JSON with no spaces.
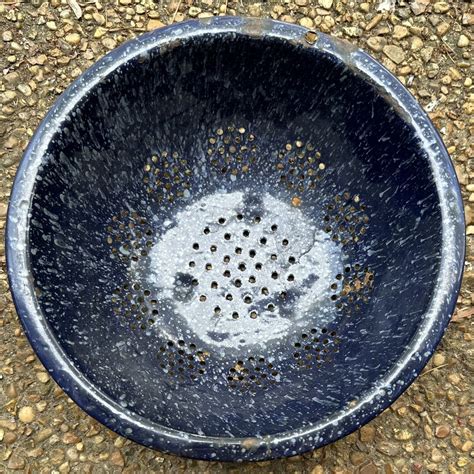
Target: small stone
{"x":400,"y":32}
{"x":255,"y":9}
{"x":2,"y":434}
{"x":374,"y":22}
{"x":70,"y":438}
{"x":439,"y":359}
{"x":364,"y":7}
{"x":466,"y":447}
{"x":205,"y":15}
{"x":470,"y":230}
{"x":352,"y":31}
{"x":35,"y":452}
{"x":442,"y":28}
{"x":43,"y":435}
{"x":25,"y":89}
{"x":376,"y":43}
{"x":99,"y":18}
{"x":463,"y":41}
{"x":403,"y":435}
{"x":7,"y":36}
{"x":427,"y":53}
{"x":80,"y":446}
{"x":419,"y":6}
{"x":436,"y":455}
{"x":442,"y":431}
{"x":369,"y":468}
{"x":367,"y":434}
{"x":153,"y":24}
{"x":15,"y":463}
{"x":441,"y":7}
{"x":416,"y":43}
{"x":301,"y":3}
{"x":468,"y":82}
{"x":327,"y":4}
{"x":109,"y":43}
{"x":469,"y":216}
{"x":51,"y":25}
{"x":101,"y":31}
{"x":395,"y":53}
{"x":306,"y":22}
{"x":468,"y":19}
{"x":73,"y":38}
{"x":193,"y":11}
{"x":26,"y":414}
{"x":357,"y":458}
{"x":116,"y":458}
{"x":9,"y":438}
{"x":454,"y":378}
{"x":64,"y":467}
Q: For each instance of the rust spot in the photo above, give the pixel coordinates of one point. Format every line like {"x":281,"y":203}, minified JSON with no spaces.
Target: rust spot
{"x":311,"y":37}
{"x":296,"y":201}
{"x":250,"y":443}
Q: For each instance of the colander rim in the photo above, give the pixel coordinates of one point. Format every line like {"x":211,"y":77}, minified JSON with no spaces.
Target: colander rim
{"x":294,"y":442}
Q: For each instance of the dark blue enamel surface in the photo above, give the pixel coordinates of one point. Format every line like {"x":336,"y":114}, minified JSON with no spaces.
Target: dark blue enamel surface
{"x":171,"y":90}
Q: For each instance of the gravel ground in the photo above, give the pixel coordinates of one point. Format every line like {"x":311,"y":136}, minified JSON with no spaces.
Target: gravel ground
{"x":427,"y":44}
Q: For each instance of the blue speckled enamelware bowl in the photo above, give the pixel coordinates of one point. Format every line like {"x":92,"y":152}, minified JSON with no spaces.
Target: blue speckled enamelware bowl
{"x":234,"y":239}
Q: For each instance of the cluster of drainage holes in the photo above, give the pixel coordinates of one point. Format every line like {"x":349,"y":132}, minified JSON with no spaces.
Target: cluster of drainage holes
{"x":345,"y":219}
{"x":232,"y":149}
{"x":182,"y":360}
{"x":300,"y":166}
{"x":352,"y":289}
{"x":236,"y":266}
{"x":167,"y":176}
{"x":253,"y":373}
{"x":136,"y":305}
{"x":129,"y":236}
{"x":313,"y":348}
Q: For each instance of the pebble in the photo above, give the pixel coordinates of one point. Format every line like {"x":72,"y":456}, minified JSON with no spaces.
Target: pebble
{"x":109,"y":43}
{"x":442,"y":431}
{"x":194,"y":11}
{"x":153,"y":24}
{"x":15,"y":463}
{"x":327,"y":4}
{"x":73,"y":38}
{"x":403,"y":435}
{"x":470,"y":230}
{"x":376,"y":43}
{"x":306,"y":22}
{"x":436,"y":455}
{"x":416,"y":43}
{"x":439,"y":359}
{"x":43,"y":435}
{"x":117,"y":459}
{"x":25,"y":89}
{"x":255,"y":9}
{"x":51,"y":25}
{"x":441,"y":7}
{"x":26,"y":414}
{"x":98,"y":18}
{"x":7,"y":36}
{"x":352,"y":31}
{"x":419,"y":6}
{"x":463,"y":41}
{"x":400,"y":32}
{"x":101,"y":31}
{"x":367,"y":434}
{"x":395,"y":53}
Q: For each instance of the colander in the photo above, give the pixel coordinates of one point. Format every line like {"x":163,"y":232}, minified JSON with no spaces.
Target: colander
{"x":235,"y":239}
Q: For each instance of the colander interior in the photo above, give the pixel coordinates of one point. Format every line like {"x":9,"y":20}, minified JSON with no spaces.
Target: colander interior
{"x":234,"y":236}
